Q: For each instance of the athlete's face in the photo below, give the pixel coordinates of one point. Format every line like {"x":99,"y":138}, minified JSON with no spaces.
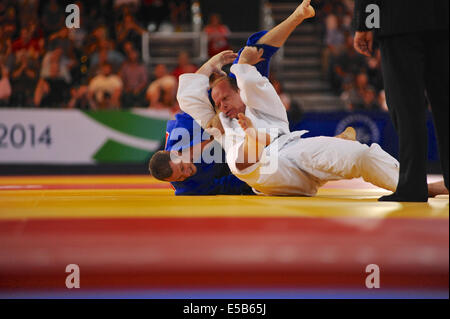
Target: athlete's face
{"x":227,"y":99}
{"x":181,"y":171}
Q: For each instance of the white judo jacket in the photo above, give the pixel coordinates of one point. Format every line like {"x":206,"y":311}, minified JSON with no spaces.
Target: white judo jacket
{"x":274,"y":174}
{"x":290,"y":165}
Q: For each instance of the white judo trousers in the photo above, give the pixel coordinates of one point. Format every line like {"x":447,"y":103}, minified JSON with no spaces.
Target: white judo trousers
{"x":308,"y":163}
{"x":299,"y":166}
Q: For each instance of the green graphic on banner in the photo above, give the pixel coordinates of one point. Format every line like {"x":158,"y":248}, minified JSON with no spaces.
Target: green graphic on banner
{"x":113,"y":152}
{"x":131,"y":124}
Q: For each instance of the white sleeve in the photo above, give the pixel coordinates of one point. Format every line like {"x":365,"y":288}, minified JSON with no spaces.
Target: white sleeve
{"x":193,"y":97}
{"x":257,"y":92}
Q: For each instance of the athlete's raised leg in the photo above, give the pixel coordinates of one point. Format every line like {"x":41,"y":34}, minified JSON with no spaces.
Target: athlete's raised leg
{"x":280,"y":33}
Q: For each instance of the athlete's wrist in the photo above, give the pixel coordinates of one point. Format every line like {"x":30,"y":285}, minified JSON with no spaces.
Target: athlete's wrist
{"x":244,"y":61}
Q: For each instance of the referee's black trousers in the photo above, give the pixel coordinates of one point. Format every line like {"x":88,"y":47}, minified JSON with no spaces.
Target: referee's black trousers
{"x":415,"y":66}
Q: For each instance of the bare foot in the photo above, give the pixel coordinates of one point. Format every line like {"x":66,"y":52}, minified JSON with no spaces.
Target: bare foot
{"x":348,"y":134}
{"x":437,"y":188}
{"x":304,"y":11}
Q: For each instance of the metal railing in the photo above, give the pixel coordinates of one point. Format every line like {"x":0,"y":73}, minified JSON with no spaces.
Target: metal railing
{"x":197,"y":40}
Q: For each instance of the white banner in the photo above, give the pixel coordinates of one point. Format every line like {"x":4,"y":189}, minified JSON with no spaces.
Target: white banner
{"x":75,"y":137}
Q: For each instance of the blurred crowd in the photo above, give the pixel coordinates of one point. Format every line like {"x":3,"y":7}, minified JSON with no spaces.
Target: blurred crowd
{"x":355,"y":78}
{"x":97,"y":66}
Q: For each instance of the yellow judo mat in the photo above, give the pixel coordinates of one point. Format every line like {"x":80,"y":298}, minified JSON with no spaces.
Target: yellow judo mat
{"x":142,"y":196}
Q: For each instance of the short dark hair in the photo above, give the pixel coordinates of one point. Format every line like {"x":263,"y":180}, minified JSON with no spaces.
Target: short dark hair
{"x":159,"y":165}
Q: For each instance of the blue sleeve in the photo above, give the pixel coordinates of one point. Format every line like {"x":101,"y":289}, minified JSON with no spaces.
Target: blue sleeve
{"x":263,"y":67}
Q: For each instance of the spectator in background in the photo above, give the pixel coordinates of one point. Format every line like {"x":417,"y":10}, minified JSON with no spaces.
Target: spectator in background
{"x":217,"y":35}
{"x":60,"y":39}
{"x":24,"y":77}
{"x":25,"y":41}
{"x":184,"y":65}
{"x":128,"y":47}
{"x":135,"y":79}
{"x":65,"y":64}
{"x":334,"y":36}
{"x":129,"y":31}
{"x":346,"y":65}
{"x":5,"y":85}
{"x":334,"y":41}
{"x":52,"y":17}
{"x":97,"y":36}
{"x":362,"y":96}
{"x":105,"y":53}
{"x":161,"y":93}
{"x":52,"y":90}
{"x":105,"y":89}
{"x":36,"y":33}
{"x":370,"y":101}
{"x":5,"y":48}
